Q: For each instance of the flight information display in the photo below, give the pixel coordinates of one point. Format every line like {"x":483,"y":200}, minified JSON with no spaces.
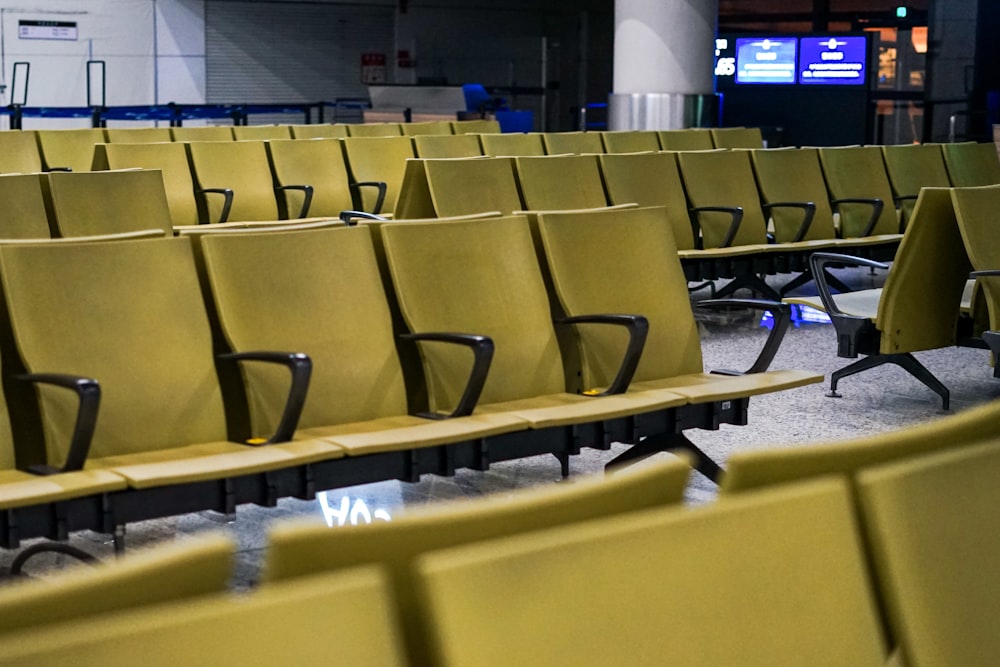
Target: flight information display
{"x":766,"y":60}
{"x":833,"y":60}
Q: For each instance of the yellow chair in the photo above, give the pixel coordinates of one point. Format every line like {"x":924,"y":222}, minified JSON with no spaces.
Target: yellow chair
{"x":976,"y":215}
{"x":68,"y":150}
{"x":911,"y":167}
{"x":374,"y":130}
{"x":860,"y":191}
{"x":136,"y":135}
{"x":929,"y":522}
{"x":465,"y":187}
{"x":202,"y":133}
{"x":511,"y":145}
{"x":277,"y":625}
{"x":972,"y":164}
{"x":261,"y":132}
{"x":917,"y":308}
{"x":106,"y":202}
{"x":447,"y":145}
{"x":233,"y":180}
{"x":319,"y":131}
{"x":630,"y":141}
{"x":378,"y":160}
{"x":172,"y":162}
{"x":305,"y":548}
{"x":546,"y":598}
{"x":475,"y":126}
{"x":575,"y":143}
{"x":691,"y":139}
{"x":426,"y":128}
{"x":23,"y":215}
{"x":560,"y":182}
{"x":737,"y":137}
{"x":318,"y":163}
{"x":19,"y":152}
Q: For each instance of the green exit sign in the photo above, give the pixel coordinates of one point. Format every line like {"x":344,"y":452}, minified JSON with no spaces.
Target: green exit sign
{"x":901,"y":12}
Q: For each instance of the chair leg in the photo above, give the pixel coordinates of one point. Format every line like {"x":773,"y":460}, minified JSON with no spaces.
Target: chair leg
{"x":668,"y":443}
{"x":709,"y":284}
{"x":905,"y":361}
{"x":806,"y":276}
{"x":751,"y":282}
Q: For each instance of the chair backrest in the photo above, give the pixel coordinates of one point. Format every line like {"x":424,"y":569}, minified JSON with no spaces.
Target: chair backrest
{"x":106,"y":202}
{"x":380,"y":159}
{"x":485,"y":280}
{"x":23,"y":215}
{"x":580,"y":248}
{"x":512,"y":144}
{"x":425,"y":128}
{"x":464,"y":187}
{"x":68,"y":149}
{"x":723,"y":178}
{"x":138,"y":325}
{"x":572,"y":143}
{"x":778,"y":465}
{"x":560,"y":182}
{"x":19,"y":152}
{"x":181,"y":571}
{"x":447,"y":145}
{"x":737,"y":137}
{"x":691,"y":139}
{"x":476,"y":126}
{"x":544,"y":588}
{"x":794,"y":175}
{"x":374,"y":130}
{"x":277,"y":625}
{"x":972,"y":164}
{"x":306,"y":548}
{"x":172,"y":161}
{"x":261,"y":132}
{"x":319,"y":131}
{"x":316,"y":162}
{"x":238,"y":165}
{"x":931,"y":526}
{"x":859,"y":172}
{"x":650,"y":179}
{"x":922,"y":296}
{"x":630,"y":141}
{"x":975,"y":211}
{"x":911,"y":167}
{"x":136,"y":135}
{"x":303,"y":304}
{"x":202,"y":133}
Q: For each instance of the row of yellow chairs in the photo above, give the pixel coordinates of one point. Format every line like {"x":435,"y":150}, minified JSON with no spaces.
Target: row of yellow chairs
{"x":311,"y":390}
{"x":875,"y":551}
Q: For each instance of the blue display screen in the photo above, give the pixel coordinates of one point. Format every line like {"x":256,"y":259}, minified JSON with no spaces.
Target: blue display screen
{"x":765,"y":60}
{"x":831,"y":60}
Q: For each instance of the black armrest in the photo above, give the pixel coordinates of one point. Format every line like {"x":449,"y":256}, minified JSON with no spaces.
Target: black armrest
{"x":808,"y":213}
{"x":735,"y":211}
{"x":348,"y":217}
{"x":306,"y":203}
{"x":227,"y":203}
{"x":817,"y":265}
{"x":89,"y":393}
{"x":638,"y":329}
{"x":985,"y":273}
{"x":380,"y":185}
{"x":300,"y":366}
{"x":60,"y":169}
{"x":876,"y":204}
{"x":780,"y":312}
{"x":482,"y":350}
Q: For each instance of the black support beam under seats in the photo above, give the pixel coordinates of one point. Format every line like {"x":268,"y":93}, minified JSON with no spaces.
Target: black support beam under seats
{"x":669,"y":442}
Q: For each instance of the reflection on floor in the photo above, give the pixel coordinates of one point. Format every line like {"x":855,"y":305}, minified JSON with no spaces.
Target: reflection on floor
{"x":878,"y":400}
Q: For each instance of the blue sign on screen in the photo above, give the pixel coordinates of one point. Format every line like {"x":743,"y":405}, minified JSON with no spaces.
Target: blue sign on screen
{"x":833,"y":60}
{"x":765,"y":60}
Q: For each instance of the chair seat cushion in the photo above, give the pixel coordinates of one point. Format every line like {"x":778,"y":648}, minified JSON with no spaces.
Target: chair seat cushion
{"x":19,"y":488}
{"x":704,"y":387}
{"x":566,"y":409}
{"x":863,"y":303}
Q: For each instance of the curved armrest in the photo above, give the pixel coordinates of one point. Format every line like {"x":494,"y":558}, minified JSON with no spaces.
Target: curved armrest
{"x":734,"y":226}
{"x":380,"y":185}
{"x":89,"y":393}
{"x":780,"y":312}
{"x":60,"y":169}
{"x":300,"y":366}
{"x":876,"y":204}
{"x":985,"y":273}
{"x":227,"y":203}
{"x":348,"y":217}
{"x":482,"y":350}
{"x":808,"y":213}
{"x":638,"y":329}
{"x":817,"y":265}
{"x":306,"y":202}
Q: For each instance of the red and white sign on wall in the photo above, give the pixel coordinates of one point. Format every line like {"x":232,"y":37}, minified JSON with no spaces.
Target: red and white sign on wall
{"x":372,"y":68}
